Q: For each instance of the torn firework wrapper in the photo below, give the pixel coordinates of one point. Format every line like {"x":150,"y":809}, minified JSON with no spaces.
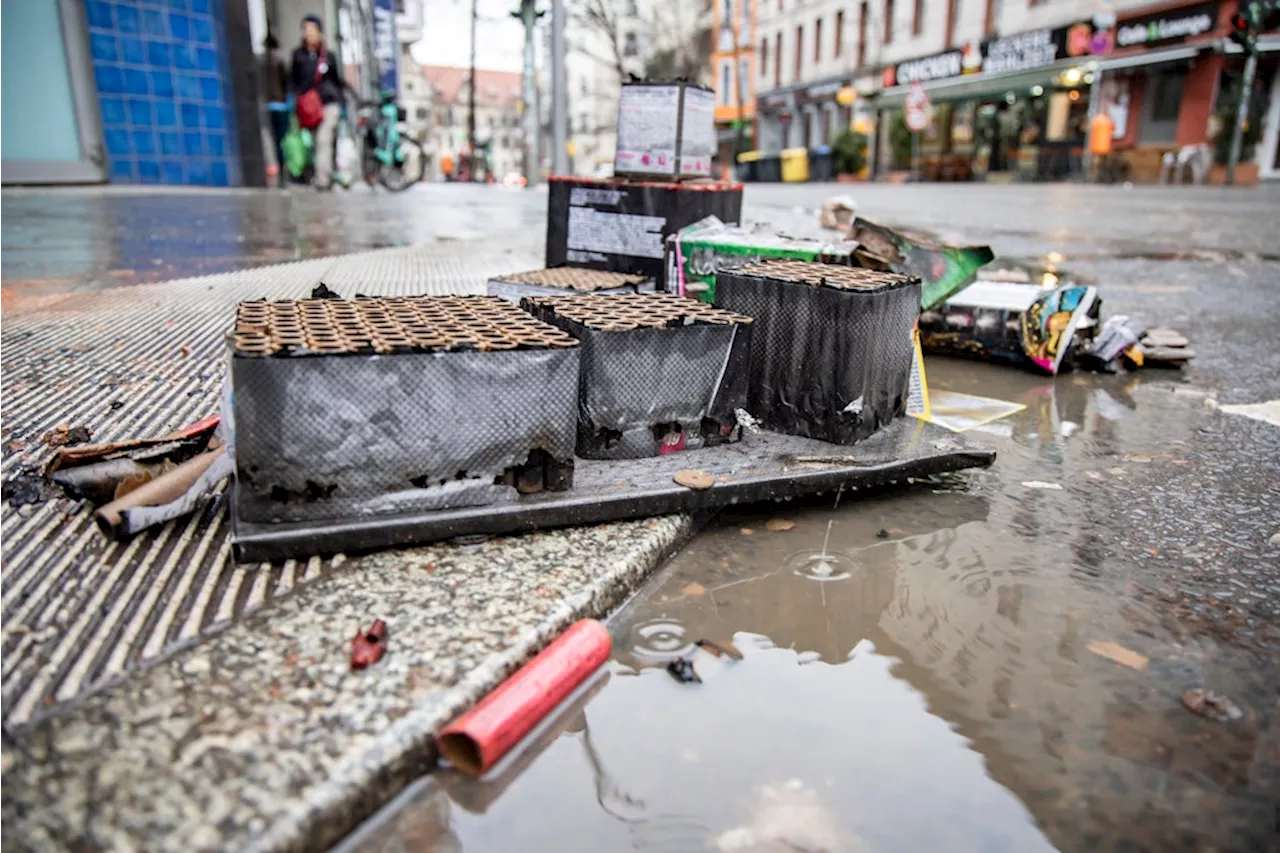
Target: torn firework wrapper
{"x":367,"y":647}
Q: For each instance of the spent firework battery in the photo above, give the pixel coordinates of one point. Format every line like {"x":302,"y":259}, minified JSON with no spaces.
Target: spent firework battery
{"x":659,"y":373}
{"x":365,"y":407}
{"x":561,"y":281}
{"x":831,"y":347}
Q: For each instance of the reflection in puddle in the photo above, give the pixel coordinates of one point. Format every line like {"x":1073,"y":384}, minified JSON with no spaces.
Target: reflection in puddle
{"x":821,"y":565}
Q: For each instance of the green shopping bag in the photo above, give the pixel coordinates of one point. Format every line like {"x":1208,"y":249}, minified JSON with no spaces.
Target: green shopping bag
{"x":295,"y":147}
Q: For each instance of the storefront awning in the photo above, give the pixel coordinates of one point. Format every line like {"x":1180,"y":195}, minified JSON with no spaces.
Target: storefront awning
{"x":974,"y":85}
{"x":1149,"y":57}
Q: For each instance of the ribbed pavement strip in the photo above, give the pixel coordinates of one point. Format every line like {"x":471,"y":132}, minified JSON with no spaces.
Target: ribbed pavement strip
{"x":138,"y":361}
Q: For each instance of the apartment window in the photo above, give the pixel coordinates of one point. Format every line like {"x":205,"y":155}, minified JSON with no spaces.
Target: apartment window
{"x":764,"y":57}
{"x":863,"y":13}
{"x":917,"y":18}
{"x":839,"y":34}
{"x":630,"y":47}
{"x":799,"y":50}
{"x":888,"y":21}
{"x":583,"y":88}
{"x":777,"y":60}
{"x":744,"y":83}
{"x":817,"y":41}
{"x":726,"y":82}
{"x":421,"y":113}
{"x":632,"y":11}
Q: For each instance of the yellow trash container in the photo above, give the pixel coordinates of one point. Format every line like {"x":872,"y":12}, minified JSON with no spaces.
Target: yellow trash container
{"x":795,"y":165}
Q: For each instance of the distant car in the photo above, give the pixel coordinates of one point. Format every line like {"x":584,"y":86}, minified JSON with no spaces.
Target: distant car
{"x":513,"y":179}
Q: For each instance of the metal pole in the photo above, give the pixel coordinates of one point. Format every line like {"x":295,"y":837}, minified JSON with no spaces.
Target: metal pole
{"x":529,"y":118}
{"x":1242,"y":115}
{"x":559,"y":93}
{"x":1095,"y":107}
{"x":471,"y":97}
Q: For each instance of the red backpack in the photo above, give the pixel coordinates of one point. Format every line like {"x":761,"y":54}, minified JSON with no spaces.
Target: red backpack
{"x":309,"y":107}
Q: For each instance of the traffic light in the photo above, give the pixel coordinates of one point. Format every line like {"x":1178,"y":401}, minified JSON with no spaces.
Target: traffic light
{"x":1253,"y":17}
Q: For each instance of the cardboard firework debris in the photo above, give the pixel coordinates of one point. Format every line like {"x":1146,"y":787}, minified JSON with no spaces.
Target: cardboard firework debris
{"x":831,"y":346}
{"x":942,"y":269}
{"x":959,"y":412}
{"x":666,"y":131}
{"x":369,"y":407}
{"x":1019,"y":324}
{"x":696,"y":253}
{"x":564,"y":281}
{"x":171,"y":495}
{"x":659,"y":374}
{"x":622,"y":226}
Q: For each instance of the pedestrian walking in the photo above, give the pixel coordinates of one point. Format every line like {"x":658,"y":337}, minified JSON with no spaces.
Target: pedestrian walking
{"x":1101,"y":129}
{"x":317,"y":88}
{"x":275,"y":92}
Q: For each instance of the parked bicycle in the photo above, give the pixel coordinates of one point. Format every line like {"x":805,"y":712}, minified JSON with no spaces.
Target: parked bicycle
{"x":387,"y":157}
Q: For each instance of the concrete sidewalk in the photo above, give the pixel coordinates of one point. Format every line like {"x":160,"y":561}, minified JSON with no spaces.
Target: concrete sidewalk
{"x":157,"y":695}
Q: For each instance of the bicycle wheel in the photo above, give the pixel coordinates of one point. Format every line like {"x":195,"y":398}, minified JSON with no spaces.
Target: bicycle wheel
{"x":401,"y":176}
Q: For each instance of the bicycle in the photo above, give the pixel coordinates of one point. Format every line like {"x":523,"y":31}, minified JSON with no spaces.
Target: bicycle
{"x":387,"y":156}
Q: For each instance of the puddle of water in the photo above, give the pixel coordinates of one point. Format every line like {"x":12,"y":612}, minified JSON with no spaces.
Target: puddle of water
{"x":916,"y":672}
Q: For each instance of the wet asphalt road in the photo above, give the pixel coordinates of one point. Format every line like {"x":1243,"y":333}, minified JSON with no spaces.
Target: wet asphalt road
{"x":969,"y":631}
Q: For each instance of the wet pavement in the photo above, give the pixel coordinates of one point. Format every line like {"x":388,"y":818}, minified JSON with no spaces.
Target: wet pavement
{"x":971,"y":664}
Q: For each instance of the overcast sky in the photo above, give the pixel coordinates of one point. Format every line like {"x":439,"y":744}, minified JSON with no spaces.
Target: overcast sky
{"x":446,"y":35}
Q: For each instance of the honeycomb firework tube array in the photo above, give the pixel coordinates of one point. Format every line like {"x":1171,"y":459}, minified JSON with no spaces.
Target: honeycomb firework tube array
{"x":388,"y":325}
{"x":660,"y":373}
{"x":831,"y":347}
{"x":575,"y":279}
{"x":367,"y":407}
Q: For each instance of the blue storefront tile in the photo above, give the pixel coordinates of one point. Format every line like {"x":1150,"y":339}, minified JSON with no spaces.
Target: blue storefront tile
{"x":180,"y":26}
{"x":158,"y":54}
{"x":170,"y":144}
{"x":217,"y":144}
{"x":132,"y":52}
{"x":110,"y":80}
{"x":140,"y":112}
{"x":184,"y":57}
{"x":210,"y":89}
{"x":135,"y":82}
{"x":189,"y":87}
{"x":190,"y":115}
{"x":117,"y":142}
{"x":191,"y":144}
{"x":177,"y":4}
{"x":99,"y":14}
{"x":112,"y":110}
{"x":203,"y":29}
{"x":207,"y":60}
{"x":149,"y":171}
{"x":121,"y":170}
{"x":215,"y":118}
{"x":128,"y":20}
{"x":198,"y":172}
{"x":162,"y":84}
{"x":199,"y":5}
{"x":153,"y":23}
{"x":144,"y":142}
{"x":103,"y":47}
{"x":166,"y":114}
{"x":172,"y":172}
{"x":218,"y":174}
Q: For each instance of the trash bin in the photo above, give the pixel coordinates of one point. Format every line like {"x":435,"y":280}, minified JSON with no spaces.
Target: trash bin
{"x":749,"y":166}
{"x":769,"y":168}
{"x":821,"y":164}
{"x":795,"y":165}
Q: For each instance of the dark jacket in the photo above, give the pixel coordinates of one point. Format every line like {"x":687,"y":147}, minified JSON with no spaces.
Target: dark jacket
{"x":302,"y":75}
{"x":275,"y":77}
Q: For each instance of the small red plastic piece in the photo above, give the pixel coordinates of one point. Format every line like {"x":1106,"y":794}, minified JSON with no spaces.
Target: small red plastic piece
{"x":367,"y":647}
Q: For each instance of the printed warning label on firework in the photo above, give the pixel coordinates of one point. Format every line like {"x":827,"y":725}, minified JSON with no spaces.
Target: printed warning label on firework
{"x":647,"y":123}
{"x":591,"y":195}
{"x":697,"y":132}
{"x":592,"y":230}
{"x":918,"y":389}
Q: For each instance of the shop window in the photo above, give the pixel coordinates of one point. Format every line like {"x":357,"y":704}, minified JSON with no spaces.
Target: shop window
{"x":630,"y":46}
{"x":1161,"y":102}
{"x":817,"y":41}
{"x":888,"y":21}
{"x":863,"y":12}
{"x":799,"y":51}
{"x":839,"y":34}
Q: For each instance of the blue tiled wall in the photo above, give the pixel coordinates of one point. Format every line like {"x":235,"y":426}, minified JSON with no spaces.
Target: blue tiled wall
{"x":164,"y":91}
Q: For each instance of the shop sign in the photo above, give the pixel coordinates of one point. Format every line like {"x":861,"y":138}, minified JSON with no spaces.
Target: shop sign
{"x":1174,"y":25}
{"x":1020,"y":52}
{"x":818,"y":93}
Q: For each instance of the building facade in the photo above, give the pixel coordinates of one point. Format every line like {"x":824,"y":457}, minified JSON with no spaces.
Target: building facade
{"x":1010,"y":85}
{"x":734,"y":75}
{"x":499,"y":138}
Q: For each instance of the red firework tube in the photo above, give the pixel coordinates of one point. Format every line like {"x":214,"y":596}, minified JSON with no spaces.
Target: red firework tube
{"x":479,"y":738}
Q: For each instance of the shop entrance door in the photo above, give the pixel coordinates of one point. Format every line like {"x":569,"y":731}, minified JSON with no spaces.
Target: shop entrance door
{"x":51,"y":126}
{"x":1269,"y":147}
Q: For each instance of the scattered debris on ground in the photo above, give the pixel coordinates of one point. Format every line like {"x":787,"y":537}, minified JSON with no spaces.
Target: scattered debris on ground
{"x":16,"y":445}
{"x":1119,"y":654}
{"x":779,"y":525}
{"x":699,"y":481}
{"x":692,"y":589}
{"x":727,"y":650}
{"x":322,"y":291}
{"x":682,"y":670}
{"x":25,"y":487}
{"x":67,"y":436}
{"x":166,"y":497}
{"x":367,"y":647}
{"x":1268,"y":412}
{"x":1038,"y":484}
{"x":1211,"y":705}
{"x":837,"y":213}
